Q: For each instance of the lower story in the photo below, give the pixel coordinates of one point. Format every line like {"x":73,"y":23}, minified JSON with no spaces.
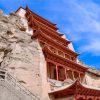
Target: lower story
{"x":75,"y":91}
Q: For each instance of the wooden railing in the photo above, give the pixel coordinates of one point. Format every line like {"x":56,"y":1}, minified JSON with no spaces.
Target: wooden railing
{"x":14,"y":82}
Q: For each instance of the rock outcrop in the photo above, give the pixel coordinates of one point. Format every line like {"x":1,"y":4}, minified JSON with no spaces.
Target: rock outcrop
{"x":19,"y":54}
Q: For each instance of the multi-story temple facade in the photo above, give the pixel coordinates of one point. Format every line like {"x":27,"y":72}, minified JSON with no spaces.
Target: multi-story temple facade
{"x":65,"y":78}
{"x":41,"y":62}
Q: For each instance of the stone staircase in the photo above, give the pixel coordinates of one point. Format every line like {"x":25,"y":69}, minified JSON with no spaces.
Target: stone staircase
{"x":11,"y":82}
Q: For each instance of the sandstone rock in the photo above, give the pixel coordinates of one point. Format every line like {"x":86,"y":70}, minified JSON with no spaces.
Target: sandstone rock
{"x":1,"y":56}
{"x":19,"y":54}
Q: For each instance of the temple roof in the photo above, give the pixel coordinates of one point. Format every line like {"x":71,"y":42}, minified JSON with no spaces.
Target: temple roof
{"x":48,"y":29}
{"x":59,"y":44}
{"x":62,"y":88}
{"x":74,"y":64}
{"x":78,"y":87}
{"x":41,"y":18}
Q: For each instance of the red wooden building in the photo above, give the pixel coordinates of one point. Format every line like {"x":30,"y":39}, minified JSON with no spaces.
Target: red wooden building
{"x":62,"y":62}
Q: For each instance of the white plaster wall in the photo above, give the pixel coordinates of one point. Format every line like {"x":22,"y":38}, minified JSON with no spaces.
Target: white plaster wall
{"x":92,"y":80}
{"x":63,"y":36}
{"x":70,"y":46}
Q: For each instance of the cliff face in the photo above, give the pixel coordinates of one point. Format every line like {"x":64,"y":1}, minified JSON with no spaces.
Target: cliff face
{"x":19,"y":54}
{"x":8,"y":92}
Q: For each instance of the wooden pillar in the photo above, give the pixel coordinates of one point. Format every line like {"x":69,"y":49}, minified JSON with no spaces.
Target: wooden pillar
{"x":57,"y":72}
{"x":94,"y":98}
{"x":57,"y":52}
{"x":80,"y":78}
{"x":73,"y":75}
{"x":85,"y":97}
{"x":65,"y":73}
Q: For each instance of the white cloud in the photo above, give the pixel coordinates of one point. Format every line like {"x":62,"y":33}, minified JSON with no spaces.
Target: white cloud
{"x":86,"y":26}
{"x":80,"y":20}
{"x":93,"y":47}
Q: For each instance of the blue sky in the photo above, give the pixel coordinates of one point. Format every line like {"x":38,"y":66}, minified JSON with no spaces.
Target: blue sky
{"x":78,"y":19}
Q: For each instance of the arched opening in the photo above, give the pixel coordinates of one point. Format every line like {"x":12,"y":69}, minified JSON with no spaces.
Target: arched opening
{"x":53,"y":50}
{"x":81,"y":77}
{"x":51,"y":71}
{"x":61,"y":73}
{"x":70,"y":74}
{"x":76,"y":75}
{"x":60,"y":53}
{"x":67,"y":56}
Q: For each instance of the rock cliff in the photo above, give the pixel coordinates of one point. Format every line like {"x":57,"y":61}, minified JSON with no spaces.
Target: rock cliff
{"x":19,"y":54}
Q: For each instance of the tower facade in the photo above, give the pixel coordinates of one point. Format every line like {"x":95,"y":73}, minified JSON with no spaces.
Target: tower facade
{"x":57,"y":74}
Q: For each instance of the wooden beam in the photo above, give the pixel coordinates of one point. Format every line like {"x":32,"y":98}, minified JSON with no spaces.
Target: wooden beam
{"x":73,"y":74}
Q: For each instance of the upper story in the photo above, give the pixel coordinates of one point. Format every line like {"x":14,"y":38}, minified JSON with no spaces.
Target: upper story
{"x":48,"y":34}
{"x":57,"y":49}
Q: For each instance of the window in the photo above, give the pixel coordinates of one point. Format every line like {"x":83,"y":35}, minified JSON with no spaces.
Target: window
{"x":61,"y":73}
{"x":73,"y":59}
{"x":76,"y":75}
{"x":70,"y":74}
{"x":53,"y":50}
{"x":67,"y":56}
{"x":51,"y":71}
{"x":60,"y":53}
